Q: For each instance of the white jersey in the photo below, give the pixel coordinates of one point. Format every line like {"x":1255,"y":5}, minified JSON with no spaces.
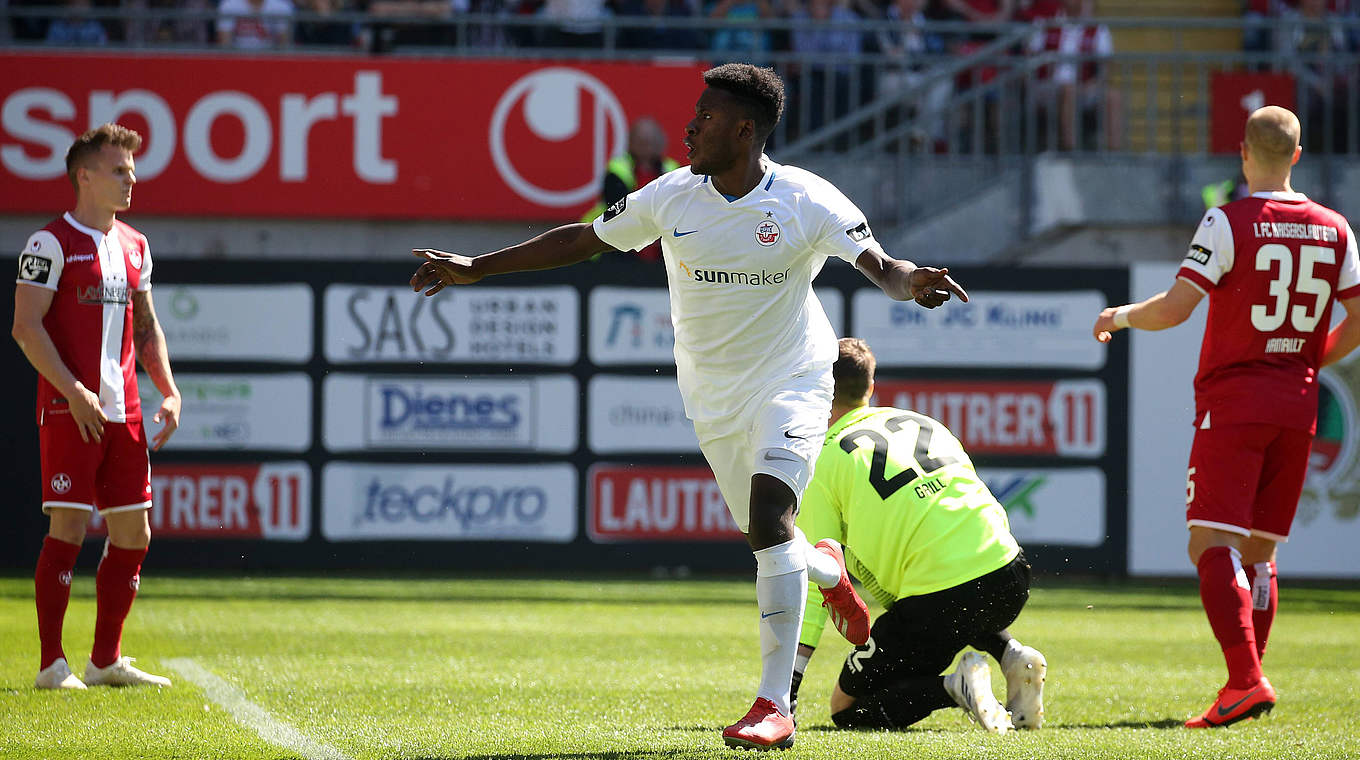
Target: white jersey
{"x":740,"y":274}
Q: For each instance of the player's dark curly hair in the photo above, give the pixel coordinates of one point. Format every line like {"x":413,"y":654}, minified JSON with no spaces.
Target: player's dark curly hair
{"x":760,"y":89}
{"x":853,"y":372}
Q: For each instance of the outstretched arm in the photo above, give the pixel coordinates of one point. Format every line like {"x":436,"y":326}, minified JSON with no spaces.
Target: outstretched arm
{"x":904,"y":281}
{"x":1166,"y":309}
{"x":568,"y":244}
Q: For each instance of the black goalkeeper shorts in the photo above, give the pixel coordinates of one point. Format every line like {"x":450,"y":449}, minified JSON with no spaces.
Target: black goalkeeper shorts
{"x":920,"y":635}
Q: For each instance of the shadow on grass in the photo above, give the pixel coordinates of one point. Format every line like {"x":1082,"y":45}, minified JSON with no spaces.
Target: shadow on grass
{"x":1162,"y":724}
{"x":452,"y":598}
{"x":675,"y":754}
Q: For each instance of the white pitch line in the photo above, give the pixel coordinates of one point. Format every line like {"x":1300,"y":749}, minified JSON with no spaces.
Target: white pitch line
{"x":253,"y":716}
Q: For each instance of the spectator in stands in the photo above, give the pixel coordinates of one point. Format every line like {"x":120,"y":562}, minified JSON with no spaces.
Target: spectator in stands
{"x":1079,"y":79}
{"x":422,"y":25}
{"x":254,"y":24}
{"x":653,"y":30}
{"x":816,"y":34}
{"x":1029,"y":11}
{"x":168,"y":29}
{"x":981,"y":11}
{"x":908,"y":51}
{"x":737,"y":41}
{"x":77,"y":29}
{"x":1317,"y":47}
{"x":578,"y":23}
{"x":645,"y":160}
{"x":323,"y":31}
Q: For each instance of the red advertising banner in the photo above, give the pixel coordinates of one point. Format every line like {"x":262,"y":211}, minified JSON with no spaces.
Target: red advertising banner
{"x":336,"y":137}
{"x":238,"y":501}
{"x":1234,"y":95}
{"x":1034,"y":418}
{"x":657,"y":503}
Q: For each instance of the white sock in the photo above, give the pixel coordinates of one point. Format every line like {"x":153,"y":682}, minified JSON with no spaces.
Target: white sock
{"x":822,"y":569}
{"x":781,"y":592}
{"x":1013,"y":648}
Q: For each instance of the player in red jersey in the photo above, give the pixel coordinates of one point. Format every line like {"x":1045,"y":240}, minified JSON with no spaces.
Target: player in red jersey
{"x":1272,"y":264}
{"x":83,"y":316}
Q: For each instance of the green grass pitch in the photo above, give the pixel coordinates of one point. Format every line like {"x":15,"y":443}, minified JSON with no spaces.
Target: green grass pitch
{"x":426,"y":668}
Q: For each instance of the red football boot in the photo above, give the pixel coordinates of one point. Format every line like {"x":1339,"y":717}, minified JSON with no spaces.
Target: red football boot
{"x":847,"y":610}
{"x":1233,"y":705}
{"x":764,"y":727}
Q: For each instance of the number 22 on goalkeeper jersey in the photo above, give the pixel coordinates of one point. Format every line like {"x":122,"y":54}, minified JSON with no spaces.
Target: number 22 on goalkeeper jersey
{"x":898,"y":490}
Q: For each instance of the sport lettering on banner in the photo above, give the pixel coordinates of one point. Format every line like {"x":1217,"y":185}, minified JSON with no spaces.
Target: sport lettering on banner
{"x":229,"y":501}
{"x":334,"y":136}
{"x":1001,"y":417}
{"x":657,"y":503}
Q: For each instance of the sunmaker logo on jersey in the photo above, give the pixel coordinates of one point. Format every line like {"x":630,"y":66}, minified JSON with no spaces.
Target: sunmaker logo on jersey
{"x":760,"y":279}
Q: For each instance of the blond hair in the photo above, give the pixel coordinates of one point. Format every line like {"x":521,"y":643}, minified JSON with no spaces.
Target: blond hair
{"x":88,"y":145}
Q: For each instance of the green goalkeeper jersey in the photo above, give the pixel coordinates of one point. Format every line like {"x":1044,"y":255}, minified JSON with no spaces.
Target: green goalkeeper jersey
{"x":898,"y":491}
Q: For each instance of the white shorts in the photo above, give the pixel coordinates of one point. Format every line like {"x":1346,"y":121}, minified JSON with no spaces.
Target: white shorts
{"x":779,"y":433}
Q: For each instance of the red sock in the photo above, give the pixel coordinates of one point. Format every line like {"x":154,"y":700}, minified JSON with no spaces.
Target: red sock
{"x":1227,"y":602}
{"x":115,"y":586}
{"x":51,"y":591}
{"x":1265,"y":597}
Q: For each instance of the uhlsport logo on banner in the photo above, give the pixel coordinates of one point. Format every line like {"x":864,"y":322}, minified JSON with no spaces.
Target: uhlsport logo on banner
{"x":272,"y":501}
{"x":365,"y":502}
{"x":557,"y":105}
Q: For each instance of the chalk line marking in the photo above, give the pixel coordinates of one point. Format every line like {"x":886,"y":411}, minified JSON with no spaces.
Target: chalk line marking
{"x":251,"y":715}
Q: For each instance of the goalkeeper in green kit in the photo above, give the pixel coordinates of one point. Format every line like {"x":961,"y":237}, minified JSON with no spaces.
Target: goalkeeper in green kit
{"x":896,"y":493}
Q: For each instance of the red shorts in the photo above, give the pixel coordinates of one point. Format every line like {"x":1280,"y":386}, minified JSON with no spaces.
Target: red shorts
{"x":1247,"y":478}
{"x":113,"y":475}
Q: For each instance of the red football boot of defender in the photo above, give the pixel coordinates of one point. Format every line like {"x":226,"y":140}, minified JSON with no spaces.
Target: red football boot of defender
{"x":1233,"y":705}
{"x":847,"y":610}
{"x":764,"y":727}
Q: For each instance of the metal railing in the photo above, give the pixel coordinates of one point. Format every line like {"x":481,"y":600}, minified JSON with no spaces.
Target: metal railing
{"x":918,"y":131}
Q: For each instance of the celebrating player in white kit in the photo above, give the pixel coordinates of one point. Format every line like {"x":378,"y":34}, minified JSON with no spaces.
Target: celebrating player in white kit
{"x":83,"y":316}
{"x":743,"y":238}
